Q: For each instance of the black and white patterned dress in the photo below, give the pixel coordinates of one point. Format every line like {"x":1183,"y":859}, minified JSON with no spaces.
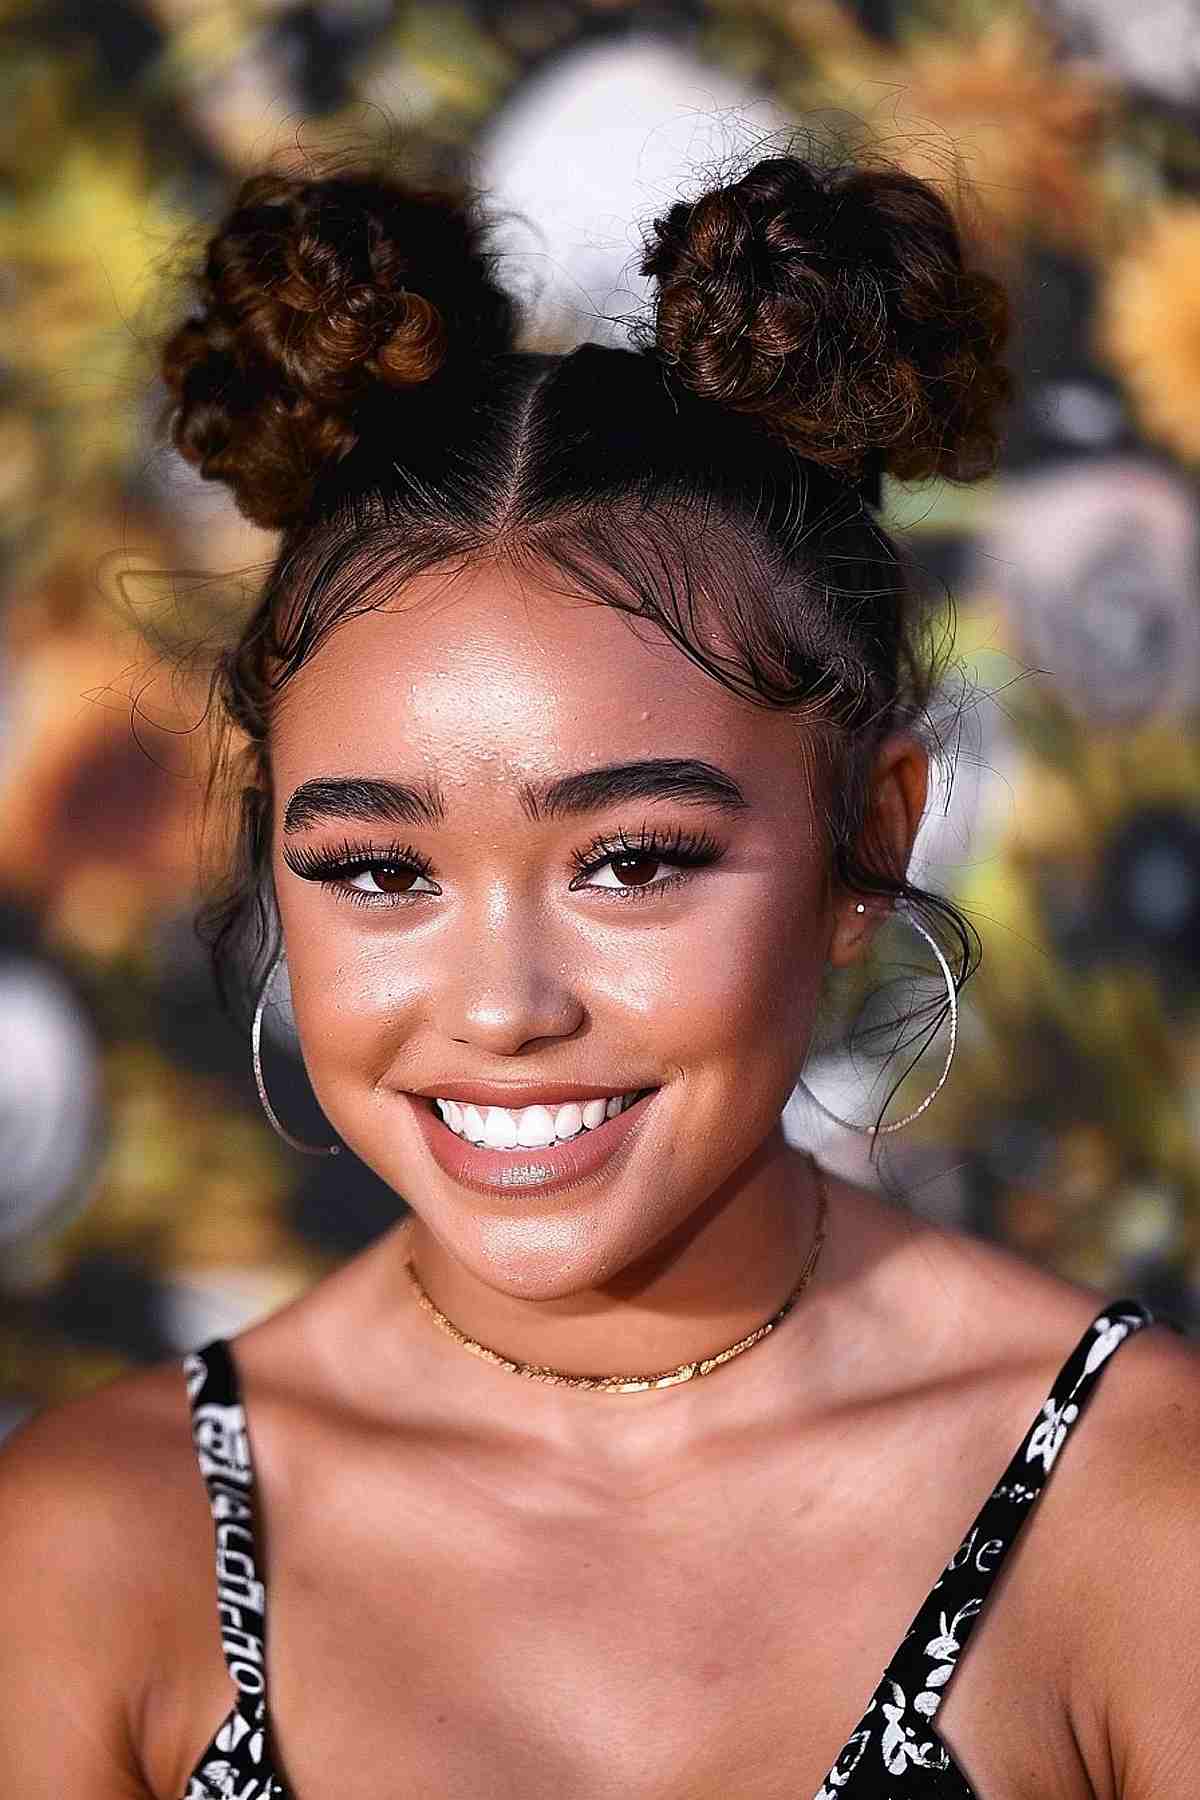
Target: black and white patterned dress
{"x":894,"y":1753}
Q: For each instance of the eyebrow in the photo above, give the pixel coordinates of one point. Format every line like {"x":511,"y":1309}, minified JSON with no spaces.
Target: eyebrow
{"x":378,"y":800}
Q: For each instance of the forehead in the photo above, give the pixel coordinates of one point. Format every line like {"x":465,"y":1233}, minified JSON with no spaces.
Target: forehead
{"x":488,"y":670}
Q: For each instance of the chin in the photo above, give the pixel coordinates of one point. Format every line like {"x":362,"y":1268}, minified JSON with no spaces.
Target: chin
{"x":546,"y":1256}
{"x":542,"y":1258}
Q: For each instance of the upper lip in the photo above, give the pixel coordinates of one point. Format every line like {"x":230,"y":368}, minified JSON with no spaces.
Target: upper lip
{"x":514,"y":1096}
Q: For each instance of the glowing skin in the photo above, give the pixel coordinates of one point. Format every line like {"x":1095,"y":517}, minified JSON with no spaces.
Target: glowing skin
{"x":507,"y":966}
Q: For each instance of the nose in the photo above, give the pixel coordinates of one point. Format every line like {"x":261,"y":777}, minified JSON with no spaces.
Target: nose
{"x":506,"y":984}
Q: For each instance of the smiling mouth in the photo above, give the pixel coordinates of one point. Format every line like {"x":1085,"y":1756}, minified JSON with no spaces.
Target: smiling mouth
{"x":539,"y":1127}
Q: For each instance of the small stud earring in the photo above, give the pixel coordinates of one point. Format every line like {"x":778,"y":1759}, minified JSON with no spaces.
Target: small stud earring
{"x":861,"y":907}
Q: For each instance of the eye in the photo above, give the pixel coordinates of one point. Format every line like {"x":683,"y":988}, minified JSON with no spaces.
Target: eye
{"x":632,"y":869}
{"x":385,"y":879}
{"x":631,"y":859}
{"x":365,"y":875}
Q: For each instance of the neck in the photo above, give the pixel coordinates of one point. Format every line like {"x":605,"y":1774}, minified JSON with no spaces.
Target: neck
{"x":702,"y":1287}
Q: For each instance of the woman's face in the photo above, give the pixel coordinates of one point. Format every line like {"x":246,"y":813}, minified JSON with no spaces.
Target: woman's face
{"x":454,"y":776}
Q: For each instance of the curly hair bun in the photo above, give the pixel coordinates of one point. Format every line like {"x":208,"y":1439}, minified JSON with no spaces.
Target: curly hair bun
{"x":835,"y":306}
{"x":316,"y":296}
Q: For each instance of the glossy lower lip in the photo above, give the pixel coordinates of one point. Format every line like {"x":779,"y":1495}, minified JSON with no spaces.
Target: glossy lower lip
{"x":526,"y":1171}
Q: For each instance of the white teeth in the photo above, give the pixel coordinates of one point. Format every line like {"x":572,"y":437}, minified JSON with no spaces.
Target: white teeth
{"x":499,"y":1129}
{"x":568,"y":1120}
{"x":532,"y":1127}
{"x":535,"y":1128}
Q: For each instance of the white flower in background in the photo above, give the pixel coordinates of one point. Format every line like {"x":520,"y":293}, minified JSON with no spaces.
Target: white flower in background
{"x":635,"y":125}
{"x":1154,"y":45}
{"x":50,"y":1103}
{"x":1097,"y":564}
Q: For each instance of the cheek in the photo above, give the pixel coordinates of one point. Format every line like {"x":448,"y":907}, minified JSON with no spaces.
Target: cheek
{"x":351,"y":986}
{"x":744,"y":985}
{"x":729,"y":987}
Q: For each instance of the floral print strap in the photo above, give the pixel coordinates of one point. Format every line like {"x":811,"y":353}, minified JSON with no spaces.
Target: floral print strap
{"x":236,"y":1764}
{"x":895,"y":1737}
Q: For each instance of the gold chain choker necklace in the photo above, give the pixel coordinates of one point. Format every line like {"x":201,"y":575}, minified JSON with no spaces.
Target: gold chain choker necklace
{"x":637,"y":1384}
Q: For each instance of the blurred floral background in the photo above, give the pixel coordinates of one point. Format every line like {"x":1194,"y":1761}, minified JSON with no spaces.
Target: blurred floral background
{"x":144,"y":1202}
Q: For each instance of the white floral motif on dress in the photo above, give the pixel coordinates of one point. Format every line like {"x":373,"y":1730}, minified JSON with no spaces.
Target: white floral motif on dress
{"x":221,"y":1779}
{"x":846,"y":1763}
{"x":947,"y":1643}
{"x":944,"y":1648}
{"x":195,"y":1374}
{"x":1109,"y":1335}
{"x":1045,"y":1440}
{"x":1047,"y":1437}
{"x":899,"y":1743}
{"x":237,"y":1727}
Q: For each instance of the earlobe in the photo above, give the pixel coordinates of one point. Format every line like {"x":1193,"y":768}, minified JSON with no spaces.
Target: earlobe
{"x":851,"y":936}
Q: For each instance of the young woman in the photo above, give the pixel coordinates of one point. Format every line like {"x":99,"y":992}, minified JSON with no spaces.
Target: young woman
{"x":582,"y":736}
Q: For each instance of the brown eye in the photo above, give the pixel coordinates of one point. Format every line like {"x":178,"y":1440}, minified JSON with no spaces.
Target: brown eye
{"x":637,"y":869}
{"x":385,"y":878}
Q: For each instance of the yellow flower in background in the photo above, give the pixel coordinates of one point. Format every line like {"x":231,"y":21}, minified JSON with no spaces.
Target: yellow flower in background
{"x":1028,"y":127}
{"x":991,"y":102}
{"x":87,"y":231}
{"x":1148,"y":325}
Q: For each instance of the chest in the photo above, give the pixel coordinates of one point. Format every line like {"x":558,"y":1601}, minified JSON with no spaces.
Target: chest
{"x":689,"y":1647}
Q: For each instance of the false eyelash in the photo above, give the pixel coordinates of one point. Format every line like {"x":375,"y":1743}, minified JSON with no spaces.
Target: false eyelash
{"x":690,"y":849}
{"x":351,"y":859}
{"x":331,"y":868}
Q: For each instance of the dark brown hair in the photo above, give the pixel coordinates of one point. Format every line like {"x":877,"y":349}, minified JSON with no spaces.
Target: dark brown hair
{"x":354,"y":375}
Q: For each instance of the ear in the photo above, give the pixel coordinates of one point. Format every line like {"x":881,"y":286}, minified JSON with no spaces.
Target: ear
{"x":896,"y":804}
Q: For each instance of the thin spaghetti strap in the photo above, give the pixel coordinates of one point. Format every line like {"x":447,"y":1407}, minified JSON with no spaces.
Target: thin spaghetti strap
{"x":928,"y":1655}
{"x":223,"y":1452}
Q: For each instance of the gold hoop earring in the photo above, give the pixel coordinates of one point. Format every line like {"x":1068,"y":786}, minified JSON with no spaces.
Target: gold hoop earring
{"x":260,"y":1084}
{"x":900,"y":905}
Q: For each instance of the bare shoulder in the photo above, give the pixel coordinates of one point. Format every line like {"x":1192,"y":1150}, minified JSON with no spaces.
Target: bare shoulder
{"x":1108,"y":1611}
{"x":123,"y":1445}
{"x":100,"y":1484}
{"x":100,"y":1508}
{"x":1117,"y":1552}
{"x":1138,"y":1550}
{"x":970,"y":1309}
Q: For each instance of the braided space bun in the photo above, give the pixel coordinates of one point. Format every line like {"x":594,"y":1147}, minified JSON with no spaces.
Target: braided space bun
{"x":835,"y":306}
{"x":306,"y":310}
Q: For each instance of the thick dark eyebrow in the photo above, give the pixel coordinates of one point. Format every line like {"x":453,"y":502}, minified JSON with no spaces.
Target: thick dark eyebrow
{"x":371,"y":800}
{"x":683,"y":778}
{"x":374,"y":800}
